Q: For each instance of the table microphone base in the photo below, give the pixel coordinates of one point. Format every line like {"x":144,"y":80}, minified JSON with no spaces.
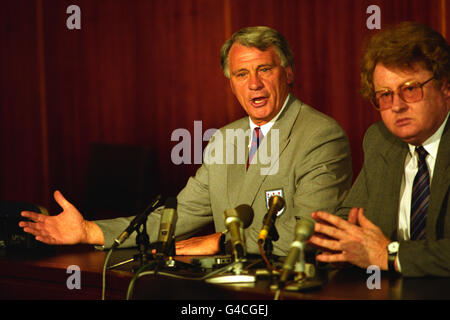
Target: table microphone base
{"x":232,"y":279}
{"x":300,"y":285}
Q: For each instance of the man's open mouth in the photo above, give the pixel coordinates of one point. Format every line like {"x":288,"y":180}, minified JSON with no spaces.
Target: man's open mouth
{"x":259,"y":101}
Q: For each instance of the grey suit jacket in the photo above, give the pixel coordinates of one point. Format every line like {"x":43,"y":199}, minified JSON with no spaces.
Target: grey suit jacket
{"x":312,"y":170}
{"x":377,"y":190}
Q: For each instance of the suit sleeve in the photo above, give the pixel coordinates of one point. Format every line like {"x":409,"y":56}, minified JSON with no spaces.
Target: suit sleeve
{"x":358,"y":195}
{"x":425,"y":258}
{"x":325,"y":171}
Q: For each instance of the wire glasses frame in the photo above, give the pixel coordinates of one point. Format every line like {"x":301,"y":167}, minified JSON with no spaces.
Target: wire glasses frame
{"x":409,"y":92}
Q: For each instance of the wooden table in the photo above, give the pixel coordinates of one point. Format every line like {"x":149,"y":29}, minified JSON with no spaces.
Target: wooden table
{"x":43,"y":275}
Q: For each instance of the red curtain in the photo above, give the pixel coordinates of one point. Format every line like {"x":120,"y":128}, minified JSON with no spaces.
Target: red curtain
{"x":138,"y":70}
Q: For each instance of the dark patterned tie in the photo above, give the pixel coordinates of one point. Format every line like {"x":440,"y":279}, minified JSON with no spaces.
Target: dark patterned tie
{"x":420,"y":197}
{"x":256,"y":140}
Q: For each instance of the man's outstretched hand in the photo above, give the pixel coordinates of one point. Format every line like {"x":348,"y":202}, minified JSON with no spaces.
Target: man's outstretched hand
{"x":68,"y":227}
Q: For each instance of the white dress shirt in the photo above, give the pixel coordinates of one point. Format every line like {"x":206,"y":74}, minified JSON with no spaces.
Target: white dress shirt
{"x":431,"y":145}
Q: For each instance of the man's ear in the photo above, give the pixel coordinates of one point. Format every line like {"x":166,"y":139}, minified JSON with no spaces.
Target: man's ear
{"x":289,"y":75}
{"x":231,"y":85}
{"x":446,"y":91}
{"x":446,"y":87}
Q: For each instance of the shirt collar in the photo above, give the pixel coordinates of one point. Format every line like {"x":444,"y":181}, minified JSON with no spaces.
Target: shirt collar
{"x":431,"y":145}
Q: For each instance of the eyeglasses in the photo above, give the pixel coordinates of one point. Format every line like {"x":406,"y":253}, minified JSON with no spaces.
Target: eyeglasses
{"x":408,"y":92}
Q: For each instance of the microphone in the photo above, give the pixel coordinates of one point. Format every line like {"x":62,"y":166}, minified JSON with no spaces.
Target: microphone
{"x":236,"y":220}
{"x":303,"y":231}
{"x":167,"y":227}
{"x":276,"y":203}
{"x":136,"y":222}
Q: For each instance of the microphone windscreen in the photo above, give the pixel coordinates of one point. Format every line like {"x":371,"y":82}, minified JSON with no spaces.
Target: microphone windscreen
{"x":245,"y":213}
{"x":277,"y":203}
{"x":305,"y":228}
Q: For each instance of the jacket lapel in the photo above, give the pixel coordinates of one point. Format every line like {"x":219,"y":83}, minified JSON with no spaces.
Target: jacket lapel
{"x":237,"y":171}
{"x":258,"y":172}
{"x":389,"y":199}
{"x":440,"y":182}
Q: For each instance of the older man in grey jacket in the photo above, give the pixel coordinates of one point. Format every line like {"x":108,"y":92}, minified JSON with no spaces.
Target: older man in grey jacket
{"x":283,"y":147}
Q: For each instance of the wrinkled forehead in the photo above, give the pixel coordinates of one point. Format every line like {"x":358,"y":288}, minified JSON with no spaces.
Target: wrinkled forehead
{"x":388,"y":75}
{"x":410,"y":68}
{"x":243,"y":54}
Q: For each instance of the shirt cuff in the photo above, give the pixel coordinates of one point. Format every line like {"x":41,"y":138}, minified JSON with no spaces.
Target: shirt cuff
{"x":398,"y":264}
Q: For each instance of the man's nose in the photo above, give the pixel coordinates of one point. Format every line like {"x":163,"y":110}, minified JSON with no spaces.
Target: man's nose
{"x":398,"y":105}
{"x":255,"y":82}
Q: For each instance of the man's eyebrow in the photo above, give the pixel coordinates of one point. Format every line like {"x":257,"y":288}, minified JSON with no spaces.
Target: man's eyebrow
{"x":239,"y":70}
{"x":258,"y":67}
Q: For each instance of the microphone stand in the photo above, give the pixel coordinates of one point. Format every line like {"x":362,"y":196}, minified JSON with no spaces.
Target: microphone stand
{"x":160,"y":257}
{"x":143,"y":244}
{"x":142,"y":241}
{"x":238,"y":274}
{"x":272,"y":236}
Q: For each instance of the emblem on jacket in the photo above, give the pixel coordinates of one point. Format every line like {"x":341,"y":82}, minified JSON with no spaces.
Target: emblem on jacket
{"x":271,"y":193}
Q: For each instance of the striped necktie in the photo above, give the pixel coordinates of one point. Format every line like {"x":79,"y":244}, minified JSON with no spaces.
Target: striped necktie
{"x":420,"y":197}
{"x":256,"y":140}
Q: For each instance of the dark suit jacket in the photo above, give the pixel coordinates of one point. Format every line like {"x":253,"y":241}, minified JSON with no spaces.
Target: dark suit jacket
{"x":377,"y":190}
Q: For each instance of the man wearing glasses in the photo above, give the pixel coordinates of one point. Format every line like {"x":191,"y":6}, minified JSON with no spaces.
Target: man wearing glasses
{"x":398,"y":208}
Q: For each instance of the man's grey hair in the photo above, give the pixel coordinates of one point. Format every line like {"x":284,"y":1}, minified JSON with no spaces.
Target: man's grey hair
{"x":259,"y":37}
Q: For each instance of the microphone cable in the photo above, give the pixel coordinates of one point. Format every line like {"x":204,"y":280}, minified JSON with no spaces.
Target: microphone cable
{"x":105,"y":264}
{"x":139,"y":273}
{"x":266,"y":260}
{"x":152,"y":205}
